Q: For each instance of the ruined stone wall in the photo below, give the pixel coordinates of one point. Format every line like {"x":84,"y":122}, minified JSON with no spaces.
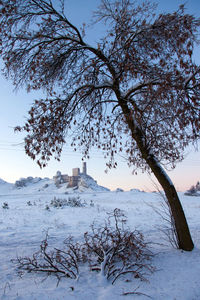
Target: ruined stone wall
{"x":84,"y":168}
{"x":75,"y":172}
{"x":58,"y":179}
{"x":73,"y":181}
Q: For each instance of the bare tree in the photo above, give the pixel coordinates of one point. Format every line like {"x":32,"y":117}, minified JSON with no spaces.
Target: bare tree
{"x":137,"y":91}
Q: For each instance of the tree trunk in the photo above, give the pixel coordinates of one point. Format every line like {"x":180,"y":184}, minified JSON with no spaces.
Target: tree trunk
{"x":184,"y":238}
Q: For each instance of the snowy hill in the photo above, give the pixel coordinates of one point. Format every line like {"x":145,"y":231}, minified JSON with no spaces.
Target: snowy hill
{"x":37,"y":184}
{"x":45,"y":185}
{"x":2,"y":181}
{"x":5,"y":187}
{"x":28,"y":213}
{"x":87,"y":183}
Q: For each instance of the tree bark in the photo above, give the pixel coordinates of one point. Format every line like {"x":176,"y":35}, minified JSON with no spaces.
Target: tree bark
{"x":184,"y":238}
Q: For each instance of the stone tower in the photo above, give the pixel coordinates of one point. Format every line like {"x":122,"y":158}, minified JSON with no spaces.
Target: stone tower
{"x":84,"y":168}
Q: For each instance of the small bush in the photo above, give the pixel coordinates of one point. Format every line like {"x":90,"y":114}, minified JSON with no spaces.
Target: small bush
{"x":116,"y":251}
{"x":5,"y":205}
{"x":119,"y":190}
{"x":168,"y":228}
{"x":91,"y":203}
{"x":194,"y":190}
{"x":47,"y":207}
{"x":29,"y":203}
{"x":71,"y":201}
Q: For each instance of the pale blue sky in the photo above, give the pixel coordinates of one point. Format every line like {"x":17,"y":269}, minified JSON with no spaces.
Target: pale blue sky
{"x":14,"y":106}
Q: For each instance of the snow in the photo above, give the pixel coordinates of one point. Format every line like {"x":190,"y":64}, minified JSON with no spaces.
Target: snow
{"x":88,"y":183}
{"x":25,"y":223}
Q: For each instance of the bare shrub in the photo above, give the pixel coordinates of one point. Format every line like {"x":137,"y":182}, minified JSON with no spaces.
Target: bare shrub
{"x":168,"y":229}
{"x":61,"y":263}
{"x":193,"y":191}
{"x":116,"y":251}
{"x":71,"y":201}
{"x":5,"y":205}
{"x":47,"y":207}
{"x":135,"y":292}
{"x":111,"y":250}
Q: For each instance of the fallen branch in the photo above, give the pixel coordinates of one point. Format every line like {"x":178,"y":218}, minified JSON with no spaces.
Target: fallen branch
{"x":113,"y":251}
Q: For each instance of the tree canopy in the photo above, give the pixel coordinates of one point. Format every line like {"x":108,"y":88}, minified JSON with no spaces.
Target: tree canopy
{"x":144,"y":61}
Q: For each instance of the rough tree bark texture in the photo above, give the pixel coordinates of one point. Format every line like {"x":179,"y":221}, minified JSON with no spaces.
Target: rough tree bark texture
{"x":184,"y":238}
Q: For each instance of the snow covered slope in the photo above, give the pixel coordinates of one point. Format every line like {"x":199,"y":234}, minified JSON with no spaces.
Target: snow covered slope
{"x":87,"y":183}
{"x":23,"y":225}
{"x":45,"y":185}
{"x":5,"y":187}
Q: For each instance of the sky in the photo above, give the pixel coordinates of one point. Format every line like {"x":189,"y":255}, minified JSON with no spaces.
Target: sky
{"x":14,"y":164}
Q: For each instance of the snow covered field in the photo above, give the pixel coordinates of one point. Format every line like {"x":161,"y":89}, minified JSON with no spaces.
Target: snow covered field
{"x":24,"y":225}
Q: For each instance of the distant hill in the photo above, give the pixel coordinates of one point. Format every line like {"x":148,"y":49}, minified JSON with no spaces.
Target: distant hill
{"x":47,"y":185}
{"x":5,"y":186}
{"x":2,"y":181}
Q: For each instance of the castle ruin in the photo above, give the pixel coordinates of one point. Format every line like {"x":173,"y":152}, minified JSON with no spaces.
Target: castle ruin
{"x":71,"y":181}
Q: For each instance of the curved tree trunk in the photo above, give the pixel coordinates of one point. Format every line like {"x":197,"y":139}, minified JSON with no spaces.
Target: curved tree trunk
{"x":184,"y":238}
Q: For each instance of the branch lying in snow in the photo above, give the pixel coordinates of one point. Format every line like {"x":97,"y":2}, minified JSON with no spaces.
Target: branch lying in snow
{"x":58,"y":262}
{"x":112,"y":251}
{"x":136,"y":293}
{"x":116,"y":251}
